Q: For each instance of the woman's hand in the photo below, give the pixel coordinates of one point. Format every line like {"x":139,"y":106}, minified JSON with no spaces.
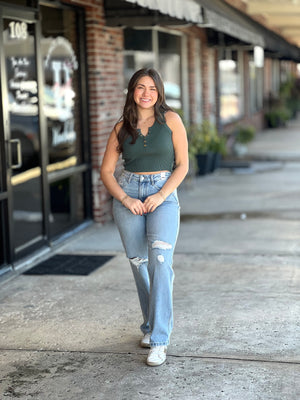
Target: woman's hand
{"x":153,"y":201}
{"x":134,"y":205}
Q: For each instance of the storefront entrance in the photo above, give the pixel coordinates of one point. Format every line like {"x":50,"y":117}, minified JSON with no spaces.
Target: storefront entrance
{"x":44,"y":182}
{"x":22,"y":131}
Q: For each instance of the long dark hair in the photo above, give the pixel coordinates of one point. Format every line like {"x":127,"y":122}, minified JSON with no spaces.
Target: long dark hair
{"x":130,"y":114}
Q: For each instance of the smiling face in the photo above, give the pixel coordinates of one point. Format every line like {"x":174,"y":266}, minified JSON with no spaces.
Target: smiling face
{"x":145,"y":93}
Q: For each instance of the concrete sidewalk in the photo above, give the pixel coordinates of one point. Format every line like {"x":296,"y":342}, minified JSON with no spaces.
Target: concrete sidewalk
{"x":236,"y":302}
{"x":280,"y":144}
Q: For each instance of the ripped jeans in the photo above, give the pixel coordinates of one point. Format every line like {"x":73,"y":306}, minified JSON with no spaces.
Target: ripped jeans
{"x":149,"y":241}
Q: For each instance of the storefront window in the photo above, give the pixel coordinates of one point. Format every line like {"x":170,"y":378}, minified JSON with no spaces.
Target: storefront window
{"x":286,"y":71}
{"x":138,"y":39}
{"x":66,"y":205}
{"x":138,"y":51}
{"x":230,"y":86}
{"x":151,"y":48}
{"x":275,"y":76}
{"x":169,"y":67}
{"x":24,"y":3}
{"x":61,"y":87}
{"x":63,"y":117}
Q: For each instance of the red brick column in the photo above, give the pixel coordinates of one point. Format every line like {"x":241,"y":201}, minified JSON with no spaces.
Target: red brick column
{"x":106,"y":84}
{"x":205,"y":79}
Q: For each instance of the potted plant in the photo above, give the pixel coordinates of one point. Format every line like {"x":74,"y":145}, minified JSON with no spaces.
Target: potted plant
{"x":290,"y":95}
{"x":243,"y":135}
{"x":277,"y":116}
{"x":219,"y":149}
{"x":201,"y":138}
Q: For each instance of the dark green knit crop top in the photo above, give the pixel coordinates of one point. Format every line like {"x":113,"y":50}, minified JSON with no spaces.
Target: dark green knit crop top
{"x":150,"y":153}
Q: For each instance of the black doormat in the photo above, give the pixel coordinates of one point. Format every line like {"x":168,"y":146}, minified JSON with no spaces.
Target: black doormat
{"x":69,"y":264}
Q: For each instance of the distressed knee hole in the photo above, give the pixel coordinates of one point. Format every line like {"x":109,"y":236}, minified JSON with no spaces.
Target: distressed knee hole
{"x":138,"y":261}
{"x":159,"y":244}
{"x":160,"y":258}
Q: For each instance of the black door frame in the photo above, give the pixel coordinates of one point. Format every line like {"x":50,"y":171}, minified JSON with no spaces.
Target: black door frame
{"x":32,"y":16}
{"x":29,"y":17}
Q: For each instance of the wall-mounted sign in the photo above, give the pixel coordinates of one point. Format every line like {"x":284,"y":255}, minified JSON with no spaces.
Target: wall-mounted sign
{"x":18,"y":30}
{"x":20,"y":67}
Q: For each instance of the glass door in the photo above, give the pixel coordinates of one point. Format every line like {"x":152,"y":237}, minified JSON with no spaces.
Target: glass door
{"x":3,"y":204}
{"x":63,"y":112}
{"x":22,"y":132}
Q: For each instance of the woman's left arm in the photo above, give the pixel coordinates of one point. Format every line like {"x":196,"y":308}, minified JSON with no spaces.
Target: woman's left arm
{"x":180,"y":144}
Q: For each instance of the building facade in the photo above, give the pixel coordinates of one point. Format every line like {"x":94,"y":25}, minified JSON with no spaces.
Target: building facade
{"x":64,"y":70}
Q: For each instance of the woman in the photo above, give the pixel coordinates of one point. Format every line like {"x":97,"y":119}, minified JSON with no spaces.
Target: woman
{"x":153,"y":143}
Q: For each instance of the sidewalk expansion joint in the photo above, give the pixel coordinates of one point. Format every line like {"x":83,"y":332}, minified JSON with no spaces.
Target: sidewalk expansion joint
{"x":286,"y":215}
{"x":138,"y":353}
{"x":236,"y":254}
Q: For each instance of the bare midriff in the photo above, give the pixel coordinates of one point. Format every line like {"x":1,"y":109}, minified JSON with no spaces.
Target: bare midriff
{"x":150,"y":173}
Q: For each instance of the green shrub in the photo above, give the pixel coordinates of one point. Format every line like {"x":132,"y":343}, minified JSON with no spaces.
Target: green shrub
{"x":278,"y":116}
{"x":244,"y":134}
{"x":219,"y":145}
{"x":200,"y":137}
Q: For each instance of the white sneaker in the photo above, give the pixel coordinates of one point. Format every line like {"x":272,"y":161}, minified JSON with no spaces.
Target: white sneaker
{"x":157,"y":356}
{"x":145,"y":342}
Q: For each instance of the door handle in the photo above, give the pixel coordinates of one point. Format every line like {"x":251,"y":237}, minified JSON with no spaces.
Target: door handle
{"x":17,"y":142}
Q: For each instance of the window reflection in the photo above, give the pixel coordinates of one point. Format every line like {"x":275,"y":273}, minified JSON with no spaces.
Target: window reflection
{"x":24,"y":143}
{"x":169,"y":66}
{"x":66,"y":205}
{"x":62,"y":110}
{"x":230,"y":86}
{"x":140,"y":52}
{"x":61,"y":91}
{"x":22,"y":92}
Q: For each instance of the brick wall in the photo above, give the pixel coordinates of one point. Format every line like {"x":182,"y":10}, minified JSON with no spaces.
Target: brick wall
{"x":105,"y":81}
{"x":192,"y":54}
{"x":194,"y":34}
{"x":267,"y":77}
{"x":205,"y":79}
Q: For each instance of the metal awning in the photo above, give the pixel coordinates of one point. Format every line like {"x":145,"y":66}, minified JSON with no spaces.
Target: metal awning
{"x":225,"y":24}
{"x":151,"y":12}
{"x":277,"y":46}
{"x":187,"y":10}
{"x":231,"y":28}
{"x":221,"y":17}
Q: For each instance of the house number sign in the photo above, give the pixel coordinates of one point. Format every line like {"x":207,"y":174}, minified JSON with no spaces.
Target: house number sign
{"x":18,"y":30}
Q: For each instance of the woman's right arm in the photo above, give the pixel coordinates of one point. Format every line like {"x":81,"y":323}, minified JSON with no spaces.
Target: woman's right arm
{"x":110,"y":159}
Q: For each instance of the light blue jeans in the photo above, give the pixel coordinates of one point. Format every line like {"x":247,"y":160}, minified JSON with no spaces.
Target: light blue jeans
{"x":149,"y":241}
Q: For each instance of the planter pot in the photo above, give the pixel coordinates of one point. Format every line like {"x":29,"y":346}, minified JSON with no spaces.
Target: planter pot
{"x":204,"y":162}
{"x":240,"y":149}
{"x":216,"y":161}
